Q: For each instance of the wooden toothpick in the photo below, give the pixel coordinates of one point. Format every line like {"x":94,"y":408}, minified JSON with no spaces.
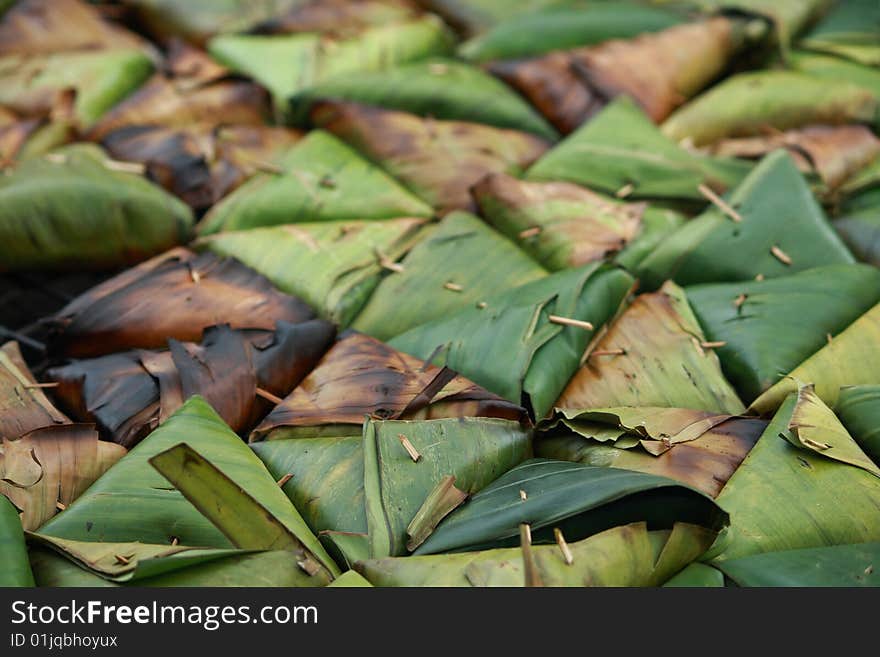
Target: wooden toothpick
{"x":287,"y":477}
{"x":568,"y":321}
{"x":563,"y":546}
{"x":720,"y":203}
{"x":780,"y":255}
{"x":408,"y":446}
{"x":268,"y":396}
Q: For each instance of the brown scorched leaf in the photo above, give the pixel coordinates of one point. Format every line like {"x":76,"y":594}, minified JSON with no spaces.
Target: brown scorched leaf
{"x":23,"y":405}
{"x":338,"y":19}
{"x":175,"y":295}
{"x":361,"y":376}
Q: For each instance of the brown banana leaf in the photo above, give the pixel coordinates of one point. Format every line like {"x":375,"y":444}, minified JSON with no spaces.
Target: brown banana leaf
{"x":834,"y":153}
{"x":23,"y":405}
{"x":175,"y":295}
{"x":651,"y":355}
{"x":409,"y":147}
{"x":14,"y":135}
{"x":561,"y":225}
{"x":705,"y":463}
{"x":361,"y":376}
{"x":129,"y":394}
{"x":192,"y":88}
{"x":338,"y":18}
{"x":851,"y":358}
{"x":37,"y":27}
{"x":46,"y":469}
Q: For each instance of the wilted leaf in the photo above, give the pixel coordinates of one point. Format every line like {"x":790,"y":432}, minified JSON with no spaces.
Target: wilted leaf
{"x":629,"y":364}
{"x":780,"y":322}
{"x":858,"y":407}
{"x":409,"y":147}
{"x":338,"y":18}
{"x":850,"y":359}
{"x":23,"y":405}
{"x":16,"y":570}
{"x":516,"y":346}
{"x":175,"y":295}
{"x":461,"y":263}
{"x":580,"y":500}
{"x":319,"y":179}
{"x":334,"y":266}
{"x":621,"y":149}
{"x":52,"y":465}
{"x":361,"y":376}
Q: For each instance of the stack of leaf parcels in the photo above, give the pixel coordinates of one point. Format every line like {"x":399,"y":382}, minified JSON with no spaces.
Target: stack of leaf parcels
{"x":443,"y":293}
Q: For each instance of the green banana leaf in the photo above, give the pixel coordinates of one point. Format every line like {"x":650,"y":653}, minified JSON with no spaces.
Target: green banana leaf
{"x":627,"y":365}
{"x":512,"y":347}
{"x":243,"y":520}
{"x":409,"y":146}
{"x":473,"y":451}
{"x":859,"y":226}
{"x":781,"y":321}
{"x":351,"y":579}
{"x":23,"y":406}
{"x":849,"y":30}
{"x":705,"y":463}
{"x":850,"y":359}
{"x":333,"y":266}
{"x":560,"y":225}
{"x":92,"y":81}
{"x":73,"y":211}
{"x":697,"y":575}
{"x":813,"y":501}
{"x":441,"y":88}
{"x":789,"y":17}
{"x":782,"y":230}
{"x":581,"y":500}
{"x":287,"y":64}
{"x":319,"y":179}
{"x":133,"y":502}
{"x":621,"y":149}
{"x":833,"y":71}
{"x":13,"y":554}
{"x":628,"y":555}
{"x":560,"y":28}
{"x":473,"y":16}
{"x":461,"y":263}
{"x":838,"y":565}
{"x":747,"y":103}
{"x":858,"y":407}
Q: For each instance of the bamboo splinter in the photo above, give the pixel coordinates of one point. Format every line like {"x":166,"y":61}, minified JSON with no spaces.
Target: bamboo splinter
{"x":568,"y":321}
{"x":408,"y":446}
{"x":720,"y":203}
{"x":563,"y":546}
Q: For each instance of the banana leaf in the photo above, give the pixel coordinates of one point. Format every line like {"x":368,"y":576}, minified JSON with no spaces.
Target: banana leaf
{"x":560,"y":225}
{"x":550,"y":84}
{"x":858,"y":407}
{"x":15,"y":134}
{"x":747,"y":103}
{"x":781,"y":321}
{"x":620,"y":147}
{"x":473,"y":451}
{"x":629,"y":555}
{"x":580,"y":500}
{"x":290,"y":63}
{"x":834,"y":153}
{"x":781,"y":230}
{"x":815,"y":427}
{"x":23,"y":405}
{"x":849,"y":30}
{"x":338,"y":18}
{"x":408,"y":147}
{"x":628,"y":364}
{"x":560,"y":28}
{"x":789,"y":17}
{"x":473,"y":16}
{"x":833,"y":70}
{"x":37,"y":27}
{"x":851,"y":358}
{"x":859,"y":226}
{"x":128,"y":394}
{"x":319,"y":179}
{"x":361,"y":376}
{"x":46,"y":469}
{"x":461,"y":263}
{"x":512,"y":346}
{"x":191,"y":88}
{"x":63,"y":563}
{"x":649,"y":69}
{"x":334,"y":266}
{"x":440,"y":88}
{"x":697,"y":575}
{"x":351,"y":579}
{"x":175,"y":295}
{"x":132,"y":502}
{"x":241,"y":518}
{"x":85,"y":215}
{"x":838,"y":565}
{"x":97,"y":80}
{"x":200,"y":164}
{"x":785,"y":498}
{"x":16,"y":570}
{"x":657,"y":224}
{"x":704,"y":464}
